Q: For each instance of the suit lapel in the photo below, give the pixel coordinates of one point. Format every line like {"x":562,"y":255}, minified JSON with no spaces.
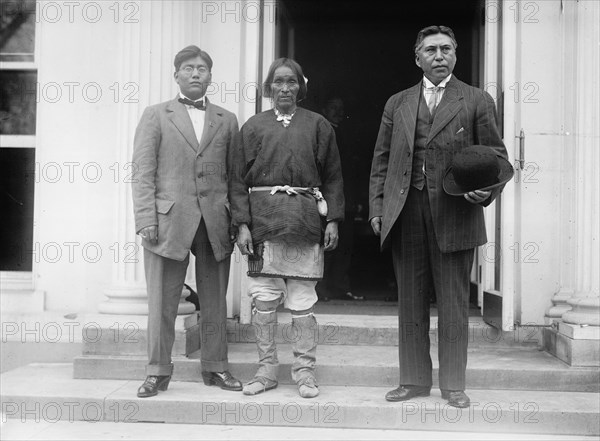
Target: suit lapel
{"x":181,"y":119}
{"x":408,"y":112}
{"x":447,"y":109}
{"x":212,"y":121}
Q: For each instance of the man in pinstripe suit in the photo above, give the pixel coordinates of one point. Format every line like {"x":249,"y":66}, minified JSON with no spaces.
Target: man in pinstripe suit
{"x":433,"y":235}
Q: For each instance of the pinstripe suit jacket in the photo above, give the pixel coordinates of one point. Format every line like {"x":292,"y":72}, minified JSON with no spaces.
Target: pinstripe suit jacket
{"x":465,"y":116}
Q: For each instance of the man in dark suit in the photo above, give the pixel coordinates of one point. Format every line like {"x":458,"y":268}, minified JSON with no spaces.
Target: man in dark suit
{"x":182,"y":152}
{"x":433,"y":235}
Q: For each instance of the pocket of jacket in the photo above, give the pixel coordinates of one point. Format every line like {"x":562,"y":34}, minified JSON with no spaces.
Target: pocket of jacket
{"x":163,"y":206}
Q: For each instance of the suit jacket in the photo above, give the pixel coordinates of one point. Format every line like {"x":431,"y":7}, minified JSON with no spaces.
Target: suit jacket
{"x":178,"y":181}
{"x":465,"y":116}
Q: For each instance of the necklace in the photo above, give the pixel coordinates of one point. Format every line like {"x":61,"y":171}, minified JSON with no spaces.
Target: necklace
{"x":285,"y":118}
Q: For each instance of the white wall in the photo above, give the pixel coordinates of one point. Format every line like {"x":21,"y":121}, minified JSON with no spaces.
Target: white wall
{"x":74,"y":153}
{"x":130,"y":62}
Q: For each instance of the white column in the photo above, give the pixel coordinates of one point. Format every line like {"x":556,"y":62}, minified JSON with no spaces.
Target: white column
{"x":585,"y":302}
{"x":145,"y":65}
{"x":567,"y":231}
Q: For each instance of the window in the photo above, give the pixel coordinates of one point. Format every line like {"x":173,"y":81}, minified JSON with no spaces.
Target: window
{"x":18,"y":83}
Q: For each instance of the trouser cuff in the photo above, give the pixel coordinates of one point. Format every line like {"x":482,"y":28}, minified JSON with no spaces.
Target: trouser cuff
{"x":159,"y":369}
{"x":214,"y":366}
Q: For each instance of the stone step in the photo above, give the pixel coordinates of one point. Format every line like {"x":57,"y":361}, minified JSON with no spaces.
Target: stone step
{"x":128,"y":334}
{"x":337,"y":329}
{"x":493,"y":368}
{"x":49,"y":393}
{"x":104,"y":335}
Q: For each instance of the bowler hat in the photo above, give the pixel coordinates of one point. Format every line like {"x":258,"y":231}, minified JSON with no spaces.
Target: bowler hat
{"x":477,"y":167}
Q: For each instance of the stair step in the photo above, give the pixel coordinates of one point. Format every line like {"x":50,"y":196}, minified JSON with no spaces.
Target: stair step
{"x":494,"y":368}
{"x":382,"y":330}
{"x":128,"y":336}
{"x":48,"y":392}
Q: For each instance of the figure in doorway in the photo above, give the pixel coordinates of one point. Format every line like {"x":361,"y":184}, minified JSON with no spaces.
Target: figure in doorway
{"x":336,"y":281}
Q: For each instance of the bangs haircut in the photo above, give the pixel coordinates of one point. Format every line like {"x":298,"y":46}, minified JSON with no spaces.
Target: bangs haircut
{"x":295,"y":67}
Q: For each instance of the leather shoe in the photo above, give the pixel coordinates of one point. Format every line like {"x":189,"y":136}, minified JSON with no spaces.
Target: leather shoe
{"x":224,"y":380}
{"x":153,"y":384}
{"x":407,"y":392}
{"x":456,"y":398}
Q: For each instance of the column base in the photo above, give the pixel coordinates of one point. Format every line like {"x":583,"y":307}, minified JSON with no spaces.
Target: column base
{"x":559,"y":303}
{"x":128,"y":300}
{"x":585,"y":310}
{"x":576,"y":345}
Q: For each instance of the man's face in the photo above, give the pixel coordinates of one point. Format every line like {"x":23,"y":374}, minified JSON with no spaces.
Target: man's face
{"x":437,"y":57}
{"x":193,"y":77}
{"x":285,"y":88}
{"x":334,"y":111}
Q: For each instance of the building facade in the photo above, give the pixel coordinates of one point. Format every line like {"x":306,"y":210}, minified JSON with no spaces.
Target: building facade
{"x":92,"y":68}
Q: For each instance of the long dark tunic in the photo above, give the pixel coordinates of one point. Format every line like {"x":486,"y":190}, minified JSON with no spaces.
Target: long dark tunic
{"x":304,"y":154}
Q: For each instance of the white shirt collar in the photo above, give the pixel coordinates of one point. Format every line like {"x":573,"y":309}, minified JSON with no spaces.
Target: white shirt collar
{"x":181,"y":95}
{"x":428,"y":84}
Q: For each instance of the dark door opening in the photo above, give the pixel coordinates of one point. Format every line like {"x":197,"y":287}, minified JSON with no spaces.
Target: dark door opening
{"x":363,"y":52}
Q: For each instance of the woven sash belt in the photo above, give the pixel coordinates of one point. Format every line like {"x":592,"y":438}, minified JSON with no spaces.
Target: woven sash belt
{"x":313,"y":191}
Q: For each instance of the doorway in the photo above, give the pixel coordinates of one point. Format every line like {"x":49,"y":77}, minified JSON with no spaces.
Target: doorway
{"x":363,"y":53}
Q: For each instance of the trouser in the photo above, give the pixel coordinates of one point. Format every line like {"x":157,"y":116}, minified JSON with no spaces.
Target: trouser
{"x":267,"y":294}
{"x":164,"y":279}
{"x":419,"y":267}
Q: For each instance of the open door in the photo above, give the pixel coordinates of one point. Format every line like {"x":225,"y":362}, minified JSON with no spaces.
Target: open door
{"x":495,"y":267}
{"x":364,"y":55}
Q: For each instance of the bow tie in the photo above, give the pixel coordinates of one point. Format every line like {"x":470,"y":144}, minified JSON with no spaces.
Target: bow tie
{"x":197,"y":104}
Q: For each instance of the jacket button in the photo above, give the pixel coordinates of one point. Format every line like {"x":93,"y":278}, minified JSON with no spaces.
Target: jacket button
{"x":405,"y":171}
{"x":408,"y":153}
{"x":402,"y":191}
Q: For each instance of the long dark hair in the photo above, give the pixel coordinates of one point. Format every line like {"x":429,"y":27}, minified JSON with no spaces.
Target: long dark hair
{"x":295,"y":67}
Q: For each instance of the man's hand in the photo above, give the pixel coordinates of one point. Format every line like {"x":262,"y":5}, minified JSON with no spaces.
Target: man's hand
{"x":149,"y":233}
{"x":233,"y":233}
{"x":331,"y":236}
{"x":244,"y":240}
{"x":477,"y":196}
{"x":376,"y":225}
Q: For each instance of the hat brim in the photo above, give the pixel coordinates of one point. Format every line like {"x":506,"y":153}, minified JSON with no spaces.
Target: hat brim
{"x":453,"y":189}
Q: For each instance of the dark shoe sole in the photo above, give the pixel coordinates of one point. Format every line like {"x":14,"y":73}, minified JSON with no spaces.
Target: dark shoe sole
{"x":416,"y":395}
{"x":147,"y":395}
{"x":454,"y":403}
{"x":161,"y":387}
{"x":209,"y":381}
{"x":459,"y":405}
